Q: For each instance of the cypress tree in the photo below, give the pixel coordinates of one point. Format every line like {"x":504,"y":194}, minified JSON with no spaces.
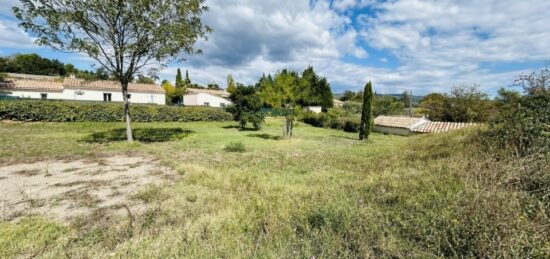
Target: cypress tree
{"x":366,"y":115}
{"x":179,"y":79}
{"x":187,"y":79}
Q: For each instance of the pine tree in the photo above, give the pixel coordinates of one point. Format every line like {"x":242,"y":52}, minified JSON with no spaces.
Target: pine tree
{"x":366,"y":115}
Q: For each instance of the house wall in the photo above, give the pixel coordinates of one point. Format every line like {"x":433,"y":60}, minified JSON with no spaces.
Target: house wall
{"x":315,"y":109}
{"x":31,"y":94}
{"x":116,"y":96}
{"x":201,"y":98}
{"x":390,"y":130}
{"x":89,"y":95}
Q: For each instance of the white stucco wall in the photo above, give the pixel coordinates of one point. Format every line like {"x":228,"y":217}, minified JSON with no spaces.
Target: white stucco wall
{"x":31,"y":94}
{"x":201,"y":99}
{"x":116,"y":96}
{"x":390,"y":130}
{"x":315,"y":109}
{"x":89,"y":95}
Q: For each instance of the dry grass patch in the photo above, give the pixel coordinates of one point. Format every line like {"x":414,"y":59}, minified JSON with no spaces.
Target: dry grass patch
{"x":77,"y":188}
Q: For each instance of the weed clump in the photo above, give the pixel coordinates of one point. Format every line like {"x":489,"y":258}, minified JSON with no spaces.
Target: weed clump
{"x":237,"y":147}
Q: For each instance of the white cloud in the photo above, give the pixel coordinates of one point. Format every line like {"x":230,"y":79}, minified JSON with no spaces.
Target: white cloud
{"x":7,"y":5}
{"x":436,"y":43}
{"x":451,"y":39}
{"x":14,"y":37}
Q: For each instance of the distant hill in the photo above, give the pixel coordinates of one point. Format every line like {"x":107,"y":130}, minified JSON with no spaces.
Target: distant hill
{"x":415,"y":98}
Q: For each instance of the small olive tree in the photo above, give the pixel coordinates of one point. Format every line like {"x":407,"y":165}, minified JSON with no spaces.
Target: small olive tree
{"x":125,"y":37}
{"x":366,"y":114}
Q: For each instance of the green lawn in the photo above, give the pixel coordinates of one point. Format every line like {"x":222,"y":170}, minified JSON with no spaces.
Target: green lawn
{"x":322,"y":194}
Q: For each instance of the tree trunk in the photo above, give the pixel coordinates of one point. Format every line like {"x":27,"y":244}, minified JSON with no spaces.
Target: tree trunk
{"x":289,"y":122}
{"x":127,"y":117}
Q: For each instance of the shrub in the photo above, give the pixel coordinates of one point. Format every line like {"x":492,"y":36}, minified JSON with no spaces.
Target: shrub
{"x":332,"y":120}
{"x":246,"y":107}
{"x":235,"y":147}
{"x":60,"y":111}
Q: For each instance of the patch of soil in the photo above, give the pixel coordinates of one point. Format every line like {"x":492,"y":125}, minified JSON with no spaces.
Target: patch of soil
{"x":64,"y":190}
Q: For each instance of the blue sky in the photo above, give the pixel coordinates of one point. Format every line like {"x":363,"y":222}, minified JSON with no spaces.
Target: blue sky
{"x":419,"y":45}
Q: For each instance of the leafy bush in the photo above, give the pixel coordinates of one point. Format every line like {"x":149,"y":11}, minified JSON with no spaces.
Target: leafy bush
{"x":246,"y":107}
{"x":235,"y":147}
{"x":332,"y":120}
{"x":518,"y":139}
{"x":147,"y":135}
{"x":58,"y":111}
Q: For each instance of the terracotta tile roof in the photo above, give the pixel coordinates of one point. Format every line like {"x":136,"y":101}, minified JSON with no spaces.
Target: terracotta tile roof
{"x":439,"y":126}
{"x":32,"y":85}
{"x":106,"y":85}
{"x":35,"y":77}
{"x":398,"y":121}
{"x":220,"y":93}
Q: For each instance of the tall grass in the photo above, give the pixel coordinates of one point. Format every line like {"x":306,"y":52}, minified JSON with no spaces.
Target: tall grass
{"x":322,"y":194}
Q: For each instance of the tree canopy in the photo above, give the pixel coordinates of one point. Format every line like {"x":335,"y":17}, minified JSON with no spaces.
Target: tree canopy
{"x":124,"y":37}
{"x":231,"y":86}
{"x":246,"y":106}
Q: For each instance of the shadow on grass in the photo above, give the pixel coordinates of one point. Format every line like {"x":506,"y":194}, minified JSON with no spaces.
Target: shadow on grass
{"x":345,"y":137}
{"x":239,"y":128}
{"x":146,"y":135}
{"x":264,"y":136}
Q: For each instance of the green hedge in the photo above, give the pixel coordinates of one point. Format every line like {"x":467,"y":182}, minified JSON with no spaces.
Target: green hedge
{"x":61,"y":111}
{"x":348,"y":124}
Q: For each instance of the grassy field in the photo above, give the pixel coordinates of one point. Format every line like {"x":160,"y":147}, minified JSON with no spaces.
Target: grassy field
{"x":321,"y":194}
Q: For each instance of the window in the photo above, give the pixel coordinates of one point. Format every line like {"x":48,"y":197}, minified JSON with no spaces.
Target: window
{"x":106,"y":97}
{"x":44,"y":96}
{"x":206,"y":104}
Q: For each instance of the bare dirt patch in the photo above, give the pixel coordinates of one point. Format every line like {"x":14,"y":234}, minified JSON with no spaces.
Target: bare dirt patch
{"x":63,"y":190}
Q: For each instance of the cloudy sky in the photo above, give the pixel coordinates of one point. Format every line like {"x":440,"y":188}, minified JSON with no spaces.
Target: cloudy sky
{"x":417,"y":45}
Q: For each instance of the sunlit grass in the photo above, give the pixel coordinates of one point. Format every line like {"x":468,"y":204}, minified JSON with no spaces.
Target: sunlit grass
{"x":323,"y":193}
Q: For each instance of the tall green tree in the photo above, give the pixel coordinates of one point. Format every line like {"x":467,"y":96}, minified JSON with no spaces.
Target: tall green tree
{"x":179,"y":79}
{"x":314,"y":90}
{"x":187,"y":82}
{"x":366,"y":114}
{"x":32,"y":64}
{"x":280,"y":92}
{"x":435,"y":105}
{"x":231,"y":86}
{"x":124,"y":37}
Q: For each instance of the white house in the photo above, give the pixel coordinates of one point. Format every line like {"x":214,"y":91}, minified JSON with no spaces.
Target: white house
{"x":57,"y":88}
{"x":205,"y":97}
{"x":406,"y":126}
{"x":314,"y":109}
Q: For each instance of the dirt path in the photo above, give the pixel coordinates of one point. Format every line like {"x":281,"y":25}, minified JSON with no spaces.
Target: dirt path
{"x":62,"y":190}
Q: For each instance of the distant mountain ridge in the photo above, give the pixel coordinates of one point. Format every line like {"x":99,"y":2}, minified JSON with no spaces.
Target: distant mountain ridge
{"x":415,"y":98}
